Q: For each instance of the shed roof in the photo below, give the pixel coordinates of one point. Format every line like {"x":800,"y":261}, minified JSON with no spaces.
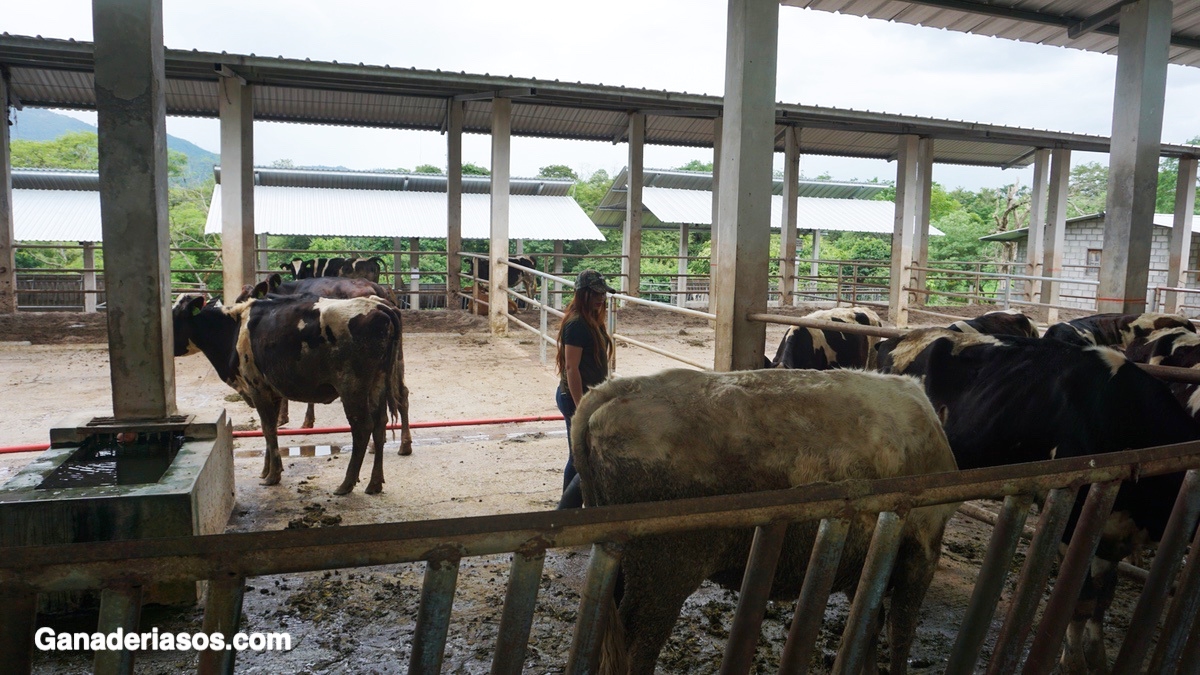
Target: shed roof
{"x":1160,"y":220}
{"x":396,"y":180}
{"x":59,"y":74}
{"x":55,"y":215}
{"x":1047,"y":22}
{"x":668,"y":207}
{"x":314,"y":211}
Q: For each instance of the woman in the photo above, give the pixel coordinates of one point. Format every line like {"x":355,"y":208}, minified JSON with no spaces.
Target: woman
{"x":585,"y":352}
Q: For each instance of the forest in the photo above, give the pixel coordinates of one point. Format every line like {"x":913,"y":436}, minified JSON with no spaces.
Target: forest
{"x":963,"y":215}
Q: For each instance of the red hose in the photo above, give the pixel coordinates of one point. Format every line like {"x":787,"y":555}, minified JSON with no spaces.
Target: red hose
{"x":339,"y":430}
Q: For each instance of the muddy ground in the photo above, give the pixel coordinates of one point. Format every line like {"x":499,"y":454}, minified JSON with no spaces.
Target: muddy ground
{"x":361,"y":620}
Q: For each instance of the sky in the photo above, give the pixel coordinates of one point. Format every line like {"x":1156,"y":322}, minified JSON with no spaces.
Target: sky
{"x":825,"y":59}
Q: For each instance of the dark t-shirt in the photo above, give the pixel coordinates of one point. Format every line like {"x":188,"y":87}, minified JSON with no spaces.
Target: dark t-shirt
{"x":593,"y":363}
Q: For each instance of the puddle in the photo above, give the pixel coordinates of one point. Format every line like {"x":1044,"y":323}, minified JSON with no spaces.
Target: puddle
{"x":102,"y":461}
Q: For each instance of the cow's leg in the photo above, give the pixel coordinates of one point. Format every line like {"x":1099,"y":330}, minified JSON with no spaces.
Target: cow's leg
{"x":916,"y":562}
{"x":268,"y":412}
{"x":405,"y":434}
{"x":310,"y":417}
{"x":282,"y":418}
{"x":379,"y":437}
{"x":1104,"y":574}
{"x":658,"y":579}
{"x":358,"y":415}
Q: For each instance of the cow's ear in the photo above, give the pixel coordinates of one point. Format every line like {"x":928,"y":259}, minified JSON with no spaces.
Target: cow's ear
{"x":274,"y":281}
{"x":261,"y":289}
{"x":195,"y":304}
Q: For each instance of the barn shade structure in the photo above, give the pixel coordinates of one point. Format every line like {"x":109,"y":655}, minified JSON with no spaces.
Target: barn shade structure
{"x":744,"y":128}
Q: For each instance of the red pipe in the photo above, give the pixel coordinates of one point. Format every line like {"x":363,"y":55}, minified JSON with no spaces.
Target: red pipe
{"x":340,"y":430}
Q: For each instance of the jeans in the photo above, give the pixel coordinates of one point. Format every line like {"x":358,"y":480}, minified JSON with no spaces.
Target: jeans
{"x":572,"y":497}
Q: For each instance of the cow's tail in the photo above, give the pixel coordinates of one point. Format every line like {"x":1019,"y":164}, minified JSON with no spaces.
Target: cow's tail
{"x":614,"y":656}
{"x":396,"y":391}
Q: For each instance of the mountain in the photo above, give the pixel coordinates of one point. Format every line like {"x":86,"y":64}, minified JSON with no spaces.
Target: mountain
{"x":39,"y":124}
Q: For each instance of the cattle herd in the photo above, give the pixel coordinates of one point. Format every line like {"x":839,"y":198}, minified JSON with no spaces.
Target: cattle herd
{"x":981,"y":392}
{"x":830,"y":406}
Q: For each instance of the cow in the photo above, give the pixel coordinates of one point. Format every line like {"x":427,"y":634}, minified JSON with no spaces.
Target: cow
{"x":480,"y":305}
{"x":823,"y":349}
{"x":480,"y":268}
{"x":682,"y":433}
{"x":309,"y":349}
{"x":1115,"y":330}
{"x":1006,"y":399}
{"x":325,"y":287}
{"x":1176,"y":347}
{"x":1003,"y":322}
{"x":354,"y":268}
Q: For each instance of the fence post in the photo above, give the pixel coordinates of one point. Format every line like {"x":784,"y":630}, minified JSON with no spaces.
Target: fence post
{"x":1007,"y":288}
{"x":89,"y":276}
{"x":542,"y":321}
{"x":397,"y":262}
{"x":414,"y":276}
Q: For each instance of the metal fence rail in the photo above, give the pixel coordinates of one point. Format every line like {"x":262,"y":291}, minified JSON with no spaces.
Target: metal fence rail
{"x":122,"y":568}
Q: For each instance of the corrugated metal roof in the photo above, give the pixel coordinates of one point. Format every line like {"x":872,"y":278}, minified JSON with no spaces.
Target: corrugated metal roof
{"x":317,"y":211}
{"x":58,"y":74}
{"x":56,"y":215}
{"x":1160,"y":220}
{"x":417,"y":182}
{"x":54,"y":179}
{"x":1038,"y":21}
{"x":669,"y":207}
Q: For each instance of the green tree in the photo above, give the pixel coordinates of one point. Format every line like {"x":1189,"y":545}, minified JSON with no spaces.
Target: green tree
{"x":76,"y":150}
{"x":557,"y":171}
{"x":696,"y":165}
{"x":470,"y":169}
{"x":589,"y":193}
{"x":428,"y":168}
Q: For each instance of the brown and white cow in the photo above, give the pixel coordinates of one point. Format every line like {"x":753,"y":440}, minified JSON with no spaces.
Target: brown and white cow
{"x":309,"y":349}
{"x":1115,"y":330}
{"x":683,"y":433}
{"x":822,"y":348}
{"x":1007,"y":399}
{"x":1003,"y":322}
{"x":481,"y":270}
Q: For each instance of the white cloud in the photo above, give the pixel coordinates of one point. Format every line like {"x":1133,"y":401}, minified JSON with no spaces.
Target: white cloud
{"x":678,"y":45}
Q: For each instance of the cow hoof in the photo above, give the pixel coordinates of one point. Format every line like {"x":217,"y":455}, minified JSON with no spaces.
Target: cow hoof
{"x":344,"y":488}
{"x":308,"y":424}
{"x":405,"y":449}
{"x":270,"y":480}
{"x":282,"y":421}
{"x":374,"y":488}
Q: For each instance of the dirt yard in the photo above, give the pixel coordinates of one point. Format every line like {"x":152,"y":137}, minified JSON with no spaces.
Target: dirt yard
{"x":361,"y":620}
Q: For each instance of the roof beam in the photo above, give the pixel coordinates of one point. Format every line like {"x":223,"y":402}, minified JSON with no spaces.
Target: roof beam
{"x":224,"y":71}
{"x":1104,"y":16}
{"x":517,"y":92}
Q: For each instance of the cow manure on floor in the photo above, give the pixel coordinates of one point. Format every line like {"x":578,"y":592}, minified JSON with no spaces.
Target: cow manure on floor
{"x":314,"y":516}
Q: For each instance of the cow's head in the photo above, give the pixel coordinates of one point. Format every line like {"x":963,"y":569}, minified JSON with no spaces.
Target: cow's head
{"x":183,"y":316}
{"x":293,"y":267}
{"x":261,"y":289}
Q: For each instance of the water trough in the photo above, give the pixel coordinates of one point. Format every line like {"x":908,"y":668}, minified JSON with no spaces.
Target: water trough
{"x":102,"y":481}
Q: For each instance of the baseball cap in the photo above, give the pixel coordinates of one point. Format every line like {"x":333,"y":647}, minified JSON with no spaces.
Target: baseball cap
{"x":593,"y":281}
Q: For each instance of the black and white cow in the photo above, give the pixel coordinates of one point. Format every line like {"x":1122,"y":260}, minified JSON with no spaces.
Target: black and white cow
{"x":1004,"y":322}
{"x":683,"y":433}
{"x":1175,"y":347}
{"x":354,"y":268}
{"x":311,"y":349}
{"x":324,"y":287}
{"x":1115,"y":330}
{"x":823,"y":349}
{"x":1006,"y":399}
{"x":480,"y":268}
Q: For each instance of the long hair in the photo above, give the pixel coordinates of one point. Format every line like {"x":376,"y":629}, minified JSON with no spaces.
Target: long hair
{"x":581,"y":305}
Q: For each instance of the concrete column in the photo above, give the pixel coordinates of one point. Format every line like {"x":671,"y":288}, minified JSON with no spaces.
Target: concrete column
{"x":89,"y":276}
{"x":902,"y":234}
{"x":1181,"y":230}
{"x":631,"y":237}
{"x":131,"y":121}
{"x":1145,"y":31}
{"x":397,"y":265}
{"x":744,"y":222}
{"x":921,"y":230}
{"x":237,"y":184}
{"x":414,"y":273}
{"x":556,"y":300}
{"x":453,"y":201}
{"x":718,"y":130}
{"x":263,"y":263}
{"x":787,"y":224}
{"x":8,"y":257}
{"x":1037,"y":222}
{"x":498,"y":253}
{"x":1056,"y":229}
{"x":681,"y":281}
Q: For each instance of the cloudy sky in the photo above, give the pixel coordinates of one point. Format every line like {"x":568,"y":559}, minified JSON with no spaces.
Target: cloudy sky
{"x":678,"y":45}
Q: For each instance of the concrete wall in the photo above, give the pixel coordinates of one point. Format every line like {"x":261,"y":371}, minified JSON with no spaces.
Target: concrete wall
{"x":1083,"y":235}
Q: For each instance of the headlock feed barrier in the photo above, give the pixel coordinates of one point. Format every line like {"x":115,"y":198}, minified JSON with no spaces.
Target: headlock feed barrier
{"x":122,"y":568}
